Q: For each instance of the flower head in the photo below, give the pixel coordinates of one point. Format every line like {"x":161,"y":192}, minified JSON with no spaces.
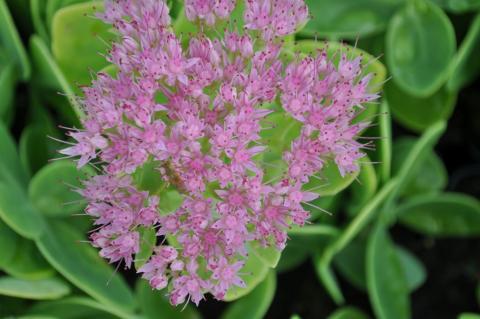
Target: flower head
{"x":204,"y":141}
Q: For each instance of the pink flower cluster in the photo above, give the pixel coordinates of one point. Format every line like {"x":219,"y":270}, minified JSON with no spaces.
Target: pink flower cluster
{"x":196,"y":115}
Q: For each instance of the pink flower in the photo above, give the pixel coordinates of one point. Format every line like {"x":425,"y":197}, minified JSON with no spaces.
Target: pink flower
{"x":191,"y":121}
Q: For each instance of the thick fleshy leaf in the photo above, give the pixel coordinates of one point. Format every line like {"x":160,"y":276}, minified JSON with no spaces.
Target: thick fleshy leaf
{"x":418,"y":113}
{"x":76,"y":40}
{"x":409,"y":167}
{"x":348,"y":313}
{"x":148,"y":240}
{"x":420,"y":45}
{"x":322,"y":262}
{"x":38,"y":12}
{"x":82,"y":266}
{"x":35,"y":148}
{"x":17,"y":211}
{"x":9,"y":158}
{"x":254,"y":305}
{"x":8,"y":244}
{"x":255,"y":271}
{"x":313,"y":236}
{"x":76,"y":308}
{"x":28,"y":263}
{"x":445,"y":214}
{"x":386,"y":281}
{"x":48,"y":75}
{"x":11,"y":42}
{"x":413,"y":268}
{"x":8,"y":77}
{"x":350,"y":262}
{"x":385,"y":143}
{"x":458,"y":6}
{"x":365,"y":188}
{"x":331,"y":182}
{"x":428,"y":177}
{"x":51,"y":189}
{"x":43,"y":289}
{"x":469,"y":316}
{"x":268,"y":255}
{"x":348,"y":19}
{"x":154,"y":304}
{"x":466,"y":64}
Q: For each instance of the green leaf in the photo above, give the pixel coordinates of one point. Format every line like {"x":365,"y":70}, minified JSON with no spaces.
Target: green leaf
{"x":429,"y":176}
{"x":365,"y":187}
{"x":51,"y":189}
{"x":351,"y":231}
{"x":11,"y":42}
{"x":348,"y":313}
{"x":81,"y":265}
{"x":469,"y":316}
{"x":256,"y":271}
{"x":8,"y":78}
{"x":412,"y":162}
{"x":313,"y":236}
{"x":16,"y":210}
{"x":268,"y":255}
{"x":9,"y":159}
{"x":38,"y":12}
{"x":385,"y":143}
{"x":51,"y":288}
{"x":348,"y":19}
{"x":76,"y":308}
{"x":254,"y":305}
{"x":28,"y":263}
{"x":35,"y":148}
{"x":48,"y":74}
{"x":350,"y":262}
{"x":148,"y":240}
{"x":458,"y":6}
{"x":418,"y":113}
{"x":327,"y":278}
{"x":8,"y":244}
{"x":445,"y":214}
{"x":76,"y":44}
{"x":331,"y":182}
{"x":466,"y":64}
{"x":154,"y":304}
{"x":420,"y":45}
{"x":413,"y":268}
{"x":386,"y":281}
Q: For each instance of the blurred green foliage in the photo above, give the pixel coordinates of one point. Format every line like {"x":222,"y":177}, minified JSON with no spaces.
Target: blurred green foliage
{"x":424,"y":67}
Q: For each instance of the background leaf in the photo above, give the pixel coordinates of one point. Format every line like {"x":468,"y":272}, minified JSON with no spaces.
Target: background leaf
{"x":420,"y":44}
{"x":76,"y":40}
{"x":154,"y":304}
{"x":348,"y":19}
{"x":446,"y":214}
{"x":386,"y":281}
{"x":10,"y":40}
{"x":52,"y":189}
{"x":51,"y":288}
{"x":429,"y":176}
{"x":254,"y":305}
{"x":82,"y":266}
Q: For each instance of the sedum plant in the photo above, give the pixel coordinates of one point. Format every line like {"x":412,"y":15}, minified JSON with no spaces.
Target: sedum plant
{"x":180,"y":139}
{"x":220,"y":77}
